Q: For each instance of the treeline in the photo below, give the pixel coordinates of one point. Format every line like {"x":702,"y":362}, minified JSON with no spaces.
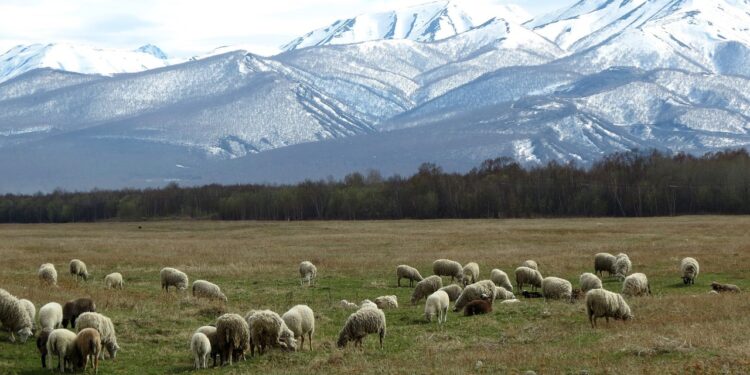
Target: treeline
{"x":628,"y":184}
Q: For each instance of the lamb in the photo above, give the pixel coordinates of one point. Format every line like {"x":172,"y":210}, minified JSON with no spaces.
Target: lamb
{"x":41,"y":345}
{"x":690,"y":269}
{"x":30,"y":309}
{"x":484,"y":289}
{"x":453,"y":290}
{"x":526,"y":275}
{"x":360,"y":324}
{"x":636,"y":285}
{"x":477,"y":307}
{"x":268,"y":329}
{"x":47,"y":274}
{"x":367,"y":304}
{"x":62,"y":343}
{"x":78,"y":269}
{"x":14,"y":317}
{"x":173,"y":277}
{"x":300,"y":320}
{"x":307,"y":272}
{"x":407,"y":272}
{"x":348,"y":305}
{"x":623,"y":266}
{"x":210,"y":332}
{"x":88,"y":347}
{"x":500,"y":278}
{"x":589,"y":281}
{"x":603,"y":303}
{"x":445,"y":267}
{"x":203,"y":288}
{"x":530,"y":264}
{"x":105,"y":327}
{"x":437,"y":304}
{"x":387,"y":302}
{"x":51,"y":316}
{"x":720,"y":288}
{"x":233,"y":336}
{"x":604,"y":262}
{"x":503,"y":294}
{"x":471,"y":273}
{"x":75,"y":308}
{"x":200,"y":346}
{"x":557,"y":288}
{"x":426,"y":287}
{"x":113,"y":280}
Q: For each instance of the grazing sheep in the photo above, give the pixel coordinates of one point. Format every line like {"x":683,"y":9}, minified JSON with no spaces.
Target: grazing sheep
{"x":233,"y":336}
{"x":200,"y":346}
{"x":51,"y":316}
{"x":14,"y":317}
{"x":623,"y":266}
{"x":30,"y":309}
{"x":78,"y":269}
{"x":636,"y":285}
{"x":526,"y":275}
{"x":300,"y":320}
{"x":407,"y":272}
{"x":604,"y":262}
{"x":387,"y":302}
{"x":557,"y":288}
{"x":503,"y":294}
{"x":426,"y":287}
{"x":48,"y":274}
{"x":437,"y":304}
{"x":690,"y":269}
{"x":88,"y":347}
{"x":75,"y":308}
{"x":445,"y":267}
{"x":62,"y":343}
{"x":471,"y":273}
{"x":500,"y":278}
{"x":41,"y":345}
{"x":173,"y":277}
{"x":530,"y":264}
{"x":203,"y":288}
{"x":590,"y":281}
{"x":453,"y":290}
{"x":307,"y":272}
{"x":105,"y":327}
{"x":210,"y":332}
{"x":603,"y":303}
{"x":344,"y":304}
{"x":113,"y":280}
{"x":367,"y":304}
{"x":360,"y":324}
{"x":484,"y":289}
{"x":720,"y":288}
{"x":477,"y":307}
{"x":267,"y":329}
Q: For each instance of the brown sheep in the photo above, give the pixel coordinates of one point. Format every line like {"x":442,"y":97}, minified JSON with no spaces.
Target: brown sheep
{"x":724,"y":287}
{"x":73,"y":309}
{"x":88,"y":346}
{"x":477,"y":307}
{"x":41,"y":345}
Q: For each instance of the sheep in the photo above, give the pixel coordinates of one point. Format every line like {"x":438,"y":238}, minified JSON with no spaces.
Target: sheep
{"x":477,"y":307}
{"x":105,"y":327}
{"x":367,"y":304}
{"x":344,"y":304}
{"x":267,"y":328}
{"x":557,"y":288}
{"x":210,"y":332}
{"x":360,"y":324}
{"x":604,"y":262}
{"x":589,"y":281}
{"x":113,"y":280}
{"x":636,"y":285}
{"x":203,"y":288}
{"x":690,"y":269}
{"x":445,"y":267}
{"x":603,"y":303}
{"x":437,"y":304}
{"x":51,"y":316}
{"x":718,"y":287}
{"x":41,"y":345}
{"x":200,"y":346}
{"x":426,"y":287}
{"x":307,"y":272}
{"x":47,"y":274}
{"x":527,"y":294}
{"x":623,"y":266}
{"x":530,"y":264}
{"x":471,"y":273}
{"x":78,"y":269}
{"x":407,"y":272}
{"x":500,"y":278}
{"x":62,"y":343}
{"x":484,"y":289}
{"x":30,"y":309}
{"x":387,"y":302}
{"x":233,"y":336}
{"x":75,"y":308}
{"x":453,"y":290}
{"x":503,"y":294}
{"x":88,"y":347}
{"x":173,"y":277}
{"x":300,"y":320}
{"x":14,"y":317}
{"x":526,"y":275}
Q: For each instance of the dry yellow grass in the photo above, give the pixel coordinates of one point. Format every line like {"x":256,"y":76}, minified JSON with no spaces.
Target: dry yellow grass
{"x":678,"y":330}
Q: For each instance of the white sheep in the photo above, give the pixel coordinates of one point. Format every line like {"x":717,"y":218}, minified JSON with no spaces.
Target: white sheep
{"x":78,"y":269}
{"x":604,"y":262}
{"x":344,"y":304}
{"x":603,"y":303}
{"x":453,"y":290}
{"x":307,"y":272}
{"x":426,"y":287}
{"x":51,"y":316}
{"x":203,"y":288}
{"x":589,"y":281}
{"x":210,"y":332}
{"x":503,"y":294}
{"x":47,"y":274}
{"x":200,"y":346}
{"x":387,"y":302}
{"x":484,"y":290}
{"x":623,"y":265}
{"x":437,"y":305}
{"x":113,"y":280}
{"x":62,"y":343}
{"x":30,"y":309}
{"x":407,"y":272}
{"x":471,"y":273}
{"x":636,"y":285}
{"x":300,"y":320}
{"x":173,"y":277}
{"x":105,"y":327}
{"x":557,"y":288}
{"x":233,"y":336}
{"x":367,"y":304}
{"x":445,"y":267}
{"x":530,"y":264}
{"x":267,"y":329}
{"x":14,"y":317}
{"x":360,"y":324}
{"x":690,"y":269}
{"x":526,"y":275}
{"x":500,"y":278}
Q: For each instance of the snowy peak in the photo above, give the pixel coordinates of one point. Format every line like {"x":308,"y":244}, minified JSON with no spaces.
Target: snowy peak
{"x":153,"y":51}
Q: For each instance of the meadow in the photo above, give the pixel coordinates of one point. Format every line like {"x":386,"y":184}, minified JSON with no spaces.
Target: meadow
{"x":678,"y":330}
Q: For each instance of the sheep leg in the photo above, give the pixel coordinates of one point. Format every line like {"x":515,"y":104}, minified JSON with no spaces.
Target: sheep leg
{"x":309,"y":336}
{"x":61,"y":362}
{"x":382,"y":335}
{"x":592,"y":320}
{"x":398,"y":281}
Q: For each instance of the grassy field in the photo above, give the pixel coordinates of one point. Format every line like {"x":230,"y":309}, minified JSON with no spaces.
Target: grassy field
{"x":678,"y":330}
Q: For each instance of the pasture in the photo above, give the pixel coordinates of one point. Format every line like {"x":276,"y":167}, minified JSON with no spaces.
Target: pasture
{"x":678,"y":330}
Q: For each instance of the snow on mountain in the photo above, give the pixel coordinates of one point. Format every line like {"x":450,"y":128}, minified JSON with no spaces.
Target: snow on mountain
{"x":153,"y":51}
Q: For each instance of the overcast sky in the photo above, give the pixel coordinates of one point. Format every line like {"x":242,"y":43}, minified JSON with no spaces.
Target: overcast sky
{"x":185,"y":28}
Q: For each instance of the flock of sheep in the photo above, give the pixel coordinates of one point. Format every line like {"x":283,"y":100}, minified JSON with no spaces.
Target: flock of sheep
{"x":232,"y":335}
